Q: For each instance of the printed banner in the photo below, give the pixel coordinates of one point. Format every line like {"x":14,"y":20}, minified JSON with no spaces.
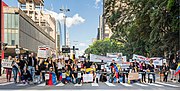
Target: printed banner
{"x":43,"y":51}
{"x":97,"y":58}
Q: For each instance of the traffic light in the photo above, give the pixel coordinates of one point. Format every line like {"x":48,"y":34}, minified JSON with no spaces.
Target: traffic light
{"x":65,"y":50}
{"x":4,"y":46}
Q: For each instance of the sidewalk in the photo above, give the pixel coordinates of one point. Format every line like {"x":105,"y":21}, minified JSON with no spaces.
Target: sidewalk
{"x":3,"y":78}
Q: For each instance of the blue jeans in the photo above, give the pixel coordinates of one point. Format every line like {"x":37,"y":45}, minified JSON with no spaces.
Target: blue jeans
{"x":76,"y":80}
{"x":31,"y":71}
{"x":15,"y":72}
{"x":153,"y":77}
{"x":38,"y":79}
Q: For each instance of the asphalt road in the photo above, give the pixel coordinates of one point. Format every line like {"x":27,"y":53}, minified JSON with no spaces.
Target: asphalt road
{"x":93,"y":86}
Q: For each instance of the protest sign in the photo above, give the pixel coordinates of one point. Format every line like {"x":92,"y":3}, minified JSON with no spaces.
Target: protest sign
{"x":133,"y":76}
{"x":6,"y":63}
{"x":98,"y":58}
{"x":43,"y":51}
{"x":46,"y":76}
{"x":87,"y":77}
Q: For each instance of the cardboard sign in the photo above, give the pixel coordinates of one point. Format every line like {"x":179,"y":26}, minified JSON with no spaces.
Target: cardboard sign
{"x":87,"y":77}
{"x":102,"y":66}
{"x":79,"y":65}
{"x":63,"y":75}
{"x":43,"y":51}
{"x":46,"y":76}
{"x":133,"y":76}
{"x":6,"y":63}
{"x":79,"y":75}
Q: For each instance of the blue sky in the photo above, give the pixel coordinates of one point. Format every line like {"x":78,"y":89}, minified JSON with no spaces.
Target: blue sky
{"x":85,"y":14}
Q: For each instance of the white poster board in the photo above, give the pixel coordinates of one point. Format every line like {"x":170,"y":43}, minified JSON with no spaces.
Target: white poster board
{"x":43,"y":51}
{"x":87,"y":77}
{"x":102,"y":66}
{"x":98,"y":58}
{"x":79,"y":75}
{"x":63,"y":75}
{"x":79,"y":65}
{"x":6,"y":63}
{"x":46,"y":76}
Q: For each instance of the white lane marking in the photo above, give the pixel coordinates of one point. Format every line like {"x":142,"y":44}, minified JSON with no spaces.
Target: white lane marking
{"x":21,"y":84}
{"x":167,"y":84}
{"x":78,"y":85}
{"x":109,"y":84}
{"x":7,"y":83}
{"x":125,"y":84}
{"x":141,"y":84}
{"x":153,"y":84}
{"x":42,"y":84}
{"x":94,"y":84}
{"x":60,"y":84}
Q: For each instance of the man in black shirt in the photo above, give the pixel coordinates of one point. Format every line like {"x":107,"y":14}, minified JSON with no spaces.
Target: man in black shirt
{"x":32,"y":62}
{"x":112,"y":64}
{"x":173,"y":69}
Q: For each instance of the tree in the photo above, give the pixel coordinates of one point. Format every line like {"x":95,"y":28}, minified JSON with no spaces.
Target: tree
{"x":102,"y":47}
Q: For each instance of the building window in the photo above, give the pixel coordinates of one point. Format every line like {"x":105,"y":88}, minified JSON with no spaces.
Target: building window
{"x":13,"y":42}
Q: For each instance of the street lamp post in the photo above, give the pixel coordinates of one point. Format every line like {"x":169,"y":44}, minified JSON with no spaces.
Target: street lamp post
{"x":64,"y":11}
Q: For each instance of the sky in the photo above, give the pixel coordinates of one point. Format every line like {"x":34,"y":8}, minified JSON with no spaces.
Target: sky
{"x":82,"y":20}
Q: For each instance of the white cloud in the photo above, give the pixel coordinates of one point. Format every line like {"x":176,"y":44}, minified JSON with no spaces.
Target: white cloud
{"x":82,"y":44}
{"x":97,"y":3}
{"x":70,"y":21}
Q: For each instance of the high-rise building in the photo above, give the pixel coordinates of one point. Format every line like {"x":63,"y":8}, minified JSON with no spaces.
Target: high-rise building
{"x":21,"y":30}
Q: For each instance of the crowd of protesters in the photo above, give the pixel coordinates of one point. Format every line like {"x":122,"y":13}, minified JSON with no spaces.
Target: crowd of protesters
{"x":33,"y":69}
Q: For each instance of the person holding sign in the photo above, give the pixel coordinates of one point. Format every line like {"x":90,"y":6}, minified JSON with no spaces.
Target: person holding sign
{"x":151,"y":70}
{"x":8,"y":71}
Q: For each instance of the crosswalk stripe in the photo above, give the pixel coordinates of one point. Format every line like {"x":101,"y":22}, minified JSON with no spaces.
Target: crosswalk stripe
{"x":7,"y":83}
{"x":60,"y":84}
{"x":141,"y":84}
{"x":155,"y":84}
{"x":167,"y":84}
{"x":78,"y":85}
{"x":125,"y":84}
{"x":109,"y":84}
{"x":21,"y":84}
{"x":94,"y":84}
{"x":42,"y":84}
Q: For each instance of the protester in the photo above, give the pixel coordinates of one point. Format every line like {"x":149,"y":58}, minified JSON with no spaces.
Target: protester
{"x":26,"y":76}
{"x":21,"y":63}
{"x":151,"y":69}
{"x":173,"y":69}
{"x":103,"y":76}
{"x":75,"y":75}
{"x":165,"y":72}
{"x":8,"y":71}
{"x":15,"y":69}
{"x":112,"y":65}
{"x":32,"y":62}
{"x":144,"y":68}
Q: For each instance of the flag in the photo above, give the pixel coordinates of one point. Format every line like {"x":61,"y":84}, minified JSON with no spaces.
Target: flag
{"x":116,"y":68}
{"x":178,"y":69}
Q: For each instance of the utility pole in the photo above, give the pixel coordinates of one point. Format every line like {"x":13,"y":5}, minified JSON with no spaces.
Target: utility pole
{"x":64,"y":10}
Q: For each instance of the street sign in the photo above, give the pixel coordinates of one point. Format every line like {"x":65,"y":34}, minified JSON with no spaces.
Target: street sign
{"x":17,"y":50}
{"x":66,"y":50}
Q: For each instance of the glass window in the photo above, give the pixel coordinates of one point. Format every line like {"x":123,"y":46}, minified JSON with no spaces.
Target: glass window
{"x":9,"y":21}
{"x":13,"y":42}
{"x":13,"y":20}
{"x":16,"y":21}
{"x":5,"y":20}
{"x":5,"y":36}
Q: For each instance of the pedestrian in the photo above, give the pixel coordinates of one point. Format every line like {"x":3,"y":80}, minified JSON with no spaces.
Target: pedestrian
{"x":15,"y":69}
{"x":144,"y":68}
{"x":165,"y":72}
{"x":32,"y":62}
{"x":9,"y":71}
{"x":173,"y":70}
{"x":151,"y":70}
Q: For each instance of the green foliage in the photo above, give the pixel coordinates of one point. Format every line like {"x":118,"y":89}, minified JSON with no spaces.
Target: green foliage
{"x":101,"y":47}
{"x":145,"y":27}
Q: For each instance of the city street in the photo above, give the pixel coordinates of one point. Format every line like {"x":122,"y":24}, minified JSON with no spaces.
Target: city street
{"x":94,"y":86}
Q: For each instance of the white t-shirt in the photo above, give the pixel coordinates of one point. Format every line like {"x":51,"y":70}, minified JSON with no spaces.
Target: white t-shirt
{"x":60,"y":65}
